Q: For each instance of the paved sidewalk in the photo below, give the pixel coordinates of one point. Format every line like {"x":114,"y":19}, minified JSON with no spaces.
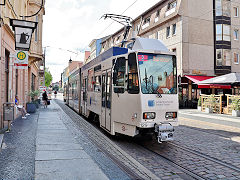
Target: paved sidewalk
{"x":58,"y":154}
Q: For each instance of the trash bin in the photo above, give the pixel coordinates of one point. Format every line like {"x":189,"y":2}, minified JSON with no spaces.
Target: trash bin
{"x":8,"y":113}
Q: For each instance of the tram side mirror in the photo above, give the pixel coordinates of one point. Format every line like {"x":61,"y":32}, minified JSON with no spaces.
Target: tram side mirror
{"x":114,"y":77}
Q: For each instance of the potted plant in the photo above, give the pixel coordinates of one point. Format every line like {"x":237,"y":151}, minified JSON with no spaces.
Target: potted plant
{"x":210,"y":104}
{"x":199,"y":104}
{"x":236,"y":107}
{"x":32,"y":106}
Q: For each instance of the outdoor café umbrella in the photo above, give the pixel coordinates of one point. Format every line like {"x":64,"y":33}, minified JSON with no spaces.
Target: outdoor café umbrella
{"x":231,"y":78}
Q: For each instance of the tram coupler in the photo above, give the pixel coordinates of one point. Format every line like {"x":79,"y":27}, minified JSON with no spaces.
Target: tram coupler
{"x":164,"y":132}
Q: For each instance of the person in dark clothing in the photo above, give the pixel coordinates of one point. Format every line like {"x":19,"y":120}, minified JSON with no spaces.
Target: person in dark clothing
{"x":55,"y":94}
{"x":45,"y":99}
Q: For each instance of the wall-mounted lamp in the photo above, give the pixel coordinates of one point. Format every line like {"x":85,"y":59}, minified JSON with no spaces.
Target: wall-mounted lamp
{"x":23,"y":33}
{"x":2,"y":2}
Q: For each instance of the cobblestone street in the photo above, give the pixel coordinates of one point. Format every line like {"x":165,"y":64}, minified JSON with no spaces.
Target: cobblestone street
{"x":204,"y":148}
{"x":207,"y":144}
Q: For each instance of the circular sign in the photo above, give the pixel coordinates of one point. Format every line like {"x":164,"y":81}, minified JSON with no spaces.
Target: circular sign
{"x":21,"y":55}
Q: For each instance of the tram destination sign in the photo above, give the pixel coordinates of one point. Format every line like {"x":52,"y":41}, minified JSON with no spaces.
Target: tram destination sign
{"x":21,"y":60}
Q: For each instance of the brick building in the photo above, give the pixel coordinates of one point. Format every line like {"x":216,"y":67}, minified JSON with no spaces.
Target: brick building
{"x":18,"y":81}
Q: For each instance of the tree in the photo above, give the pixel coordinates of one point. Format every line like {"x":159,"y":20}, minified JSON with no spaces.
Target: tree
{"x":48,"y":78}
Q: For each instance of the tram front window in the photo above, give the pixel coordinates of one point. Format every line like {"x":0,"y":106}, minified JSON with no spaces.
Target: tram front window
{"x":157,"y":73}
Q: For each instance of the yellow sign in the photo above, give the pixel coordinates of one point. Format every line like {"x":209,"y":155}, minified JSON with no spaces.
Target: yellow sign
{"x":21,"y":55}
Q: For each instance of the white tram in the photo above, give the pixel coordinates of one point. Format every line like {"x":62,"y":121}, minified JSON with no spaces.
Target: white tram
{"x":130,"y":91}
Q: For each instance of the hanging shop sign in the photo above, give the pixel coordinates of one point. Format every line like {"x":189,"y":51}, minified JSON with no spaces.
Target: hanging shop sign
{"x":21,"y":60}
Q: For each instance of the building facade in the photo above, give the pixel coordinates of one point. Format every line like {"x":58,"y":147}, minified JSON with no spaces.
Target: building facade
{"x":18,"y":81}
{"x":203,"y":34}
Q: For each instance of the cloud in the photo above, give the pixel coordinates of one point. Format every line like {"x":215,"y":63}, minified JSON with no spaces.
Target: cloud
{"x":72,"y":24}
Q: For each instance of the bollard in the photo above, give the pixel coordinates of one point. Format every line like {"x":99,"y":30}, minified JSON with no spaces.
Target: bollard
{"x":8,"y":114}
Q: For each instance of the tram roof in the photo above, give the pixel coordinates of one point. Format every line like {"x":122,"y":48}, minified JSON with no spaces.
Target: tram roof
{"x":114,"y":51}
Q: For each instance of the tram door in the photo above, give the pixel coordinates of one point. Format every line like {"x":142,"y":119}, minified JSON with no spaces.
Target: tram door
{"x":106,"y":100}
{"x":85,"y":96}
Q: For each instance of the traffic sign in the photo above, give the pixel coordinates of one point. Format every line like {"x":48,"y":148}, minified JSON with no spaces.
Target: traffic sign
{"x":21,"y":61}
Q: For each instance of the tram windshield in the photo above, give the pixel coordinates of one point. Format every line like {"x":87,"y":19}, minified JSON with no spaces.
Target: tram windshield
{"x":158,"y":73}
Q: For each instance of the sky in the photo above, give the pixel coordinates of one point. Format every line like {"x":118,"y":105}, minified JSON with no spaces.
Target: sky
{"x":70,"y":25}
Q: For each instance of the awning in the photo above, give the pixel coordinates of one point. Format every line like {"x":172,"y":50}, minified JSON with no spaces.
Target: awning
{"x":197,"y":79}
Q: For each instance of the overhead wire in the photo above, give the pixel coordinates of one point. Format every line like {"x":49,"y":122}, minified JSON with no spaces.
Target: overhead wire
{"x":113,"y":21}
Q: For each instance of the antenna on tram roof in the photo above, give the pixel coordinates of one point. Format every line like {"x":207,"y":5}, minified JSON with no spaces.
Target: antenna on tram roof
{"x":124,"y":20}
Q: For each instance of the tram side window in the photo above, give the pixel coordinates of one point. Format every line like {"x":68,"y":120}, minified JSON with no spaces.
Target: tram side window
{"x":90,"y":80}
{"x":97,"y":83}
{"x":119,"y":75}
{"x":133,"y":85}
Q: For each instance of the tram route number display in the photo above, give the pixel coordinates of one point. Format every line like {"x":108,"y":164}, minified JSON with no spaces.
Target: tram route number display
{"x":155,"y":58}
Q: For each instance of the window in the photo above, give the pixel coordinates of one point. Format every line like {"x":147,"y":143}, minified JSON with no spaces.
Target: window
{"x":146,"y":22}
{"x":223,"y":57}
{"x":97,"y":83}
{"x":226,"y":57}
{"x":157,"y":15}
{"x":223,"y":8}
{"x":133,"y":84}
{"x":168,"y":32}
{"x":236,"y":58}
{"x":226,"y":32}
{"x":174,"y":29}
{"x":16,"y":75}
{"x":223,"y":32}
{"x":219,"y":57}
{"x":33,"y":82}
{"x":235,"y":34}
{"x":119,"y":75}
{"x":172,"y":5}
{"x":90,"y":80}
{"x":36,"y":30}
{"x":219,"y":32}
{"x":235,"y":11}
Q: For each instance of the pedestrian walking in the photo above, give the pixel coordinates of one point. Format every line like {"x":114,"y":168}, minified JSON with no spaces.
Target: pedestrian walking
{"x":21,"y":108}
{"x":45,"y":99}
{"x":55,"y":94}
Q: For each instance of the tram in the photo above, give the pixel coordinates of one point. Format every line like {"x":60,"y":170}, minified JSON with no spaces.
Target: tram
{"x":129,"y":90}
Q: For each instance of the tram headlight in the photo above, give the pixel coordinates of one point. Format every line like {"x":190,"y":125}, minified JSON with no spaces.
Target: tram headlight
{"x":171,"y":115}
{"x":149,"y":115}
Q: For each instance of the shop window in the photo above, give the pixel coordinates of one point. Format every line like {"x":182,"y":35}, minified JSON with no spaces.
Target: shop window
{"x":133,"y":84}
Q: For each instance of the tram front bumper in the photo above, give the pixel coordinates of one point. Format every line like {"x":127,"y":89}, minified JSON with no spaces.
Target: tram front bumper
{"x":164,"y":132}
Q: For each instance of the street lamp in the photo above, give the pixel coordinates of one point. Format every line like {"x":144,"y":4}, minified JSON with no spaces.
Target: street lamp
{"x":23,"y":33}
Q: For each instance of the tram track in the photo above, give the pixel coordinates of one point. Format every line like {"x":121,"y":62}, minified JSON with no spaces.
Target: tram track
{"x":131,"y":164}
{"x":157,"y":149}
{"x":235,"y":168}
